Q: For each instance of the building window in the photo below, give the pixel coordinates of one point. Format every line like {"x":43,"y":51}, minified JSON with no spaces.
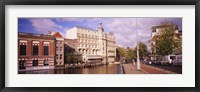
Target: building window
{"x":56,"y":48}
{"x":22,"y":64}
{"x":46,"y":62}
{"x":56,"y":56}
{"x":57,"y":43}
{"x":22,"y":49}
{"x":46,"y":50}
{"x":60,"y":56}
{"x":60,"y":48}
{"x":35,"y":50}
{"x":35,"y":62}
{"x":80,"y":40}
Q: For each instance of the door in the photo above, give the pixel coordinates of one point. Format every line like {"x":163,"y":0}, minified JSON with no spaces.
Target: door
{"x":22,"y":64}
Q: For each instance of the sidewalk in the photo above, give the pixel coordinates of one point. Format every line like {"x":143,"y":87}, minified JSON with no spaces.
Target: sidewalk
{"x":155,"y":70}
{"x":130,"y":69}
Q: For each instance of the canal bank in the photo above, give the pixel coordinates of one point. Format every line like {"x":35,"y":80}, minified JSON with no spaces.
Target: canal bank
{"x":100,"y":69}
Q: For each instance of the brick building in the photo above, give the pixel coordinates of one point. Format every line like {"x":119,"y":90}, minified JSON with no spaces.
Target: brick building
{"x":36,"y":51}
{"x":59,"y":49}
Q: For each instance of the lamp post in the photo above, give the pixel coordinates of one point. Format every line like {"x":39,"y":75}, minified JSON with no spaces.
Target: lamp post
{"x":138,"y":56}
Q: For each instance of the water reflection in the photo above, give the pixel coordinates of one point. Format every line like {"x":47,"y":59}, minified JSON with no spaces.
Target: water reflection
{"x":103,"y":69}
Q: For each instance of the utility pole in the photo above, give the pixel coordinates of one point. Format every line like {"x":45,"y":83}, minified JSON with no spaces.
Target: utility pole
{"x":138,"y":56}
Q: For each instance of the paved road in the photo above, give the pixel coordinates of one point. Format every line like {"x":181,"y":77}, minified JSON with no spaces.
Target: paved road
{"x":152,"y":70}
{"x":145,"y":69}
{"x":177,"y":69}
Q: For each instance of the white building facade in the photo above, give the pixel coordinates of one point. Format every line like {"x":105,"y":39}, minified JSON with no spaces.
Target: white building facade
{"x":94,"y":45}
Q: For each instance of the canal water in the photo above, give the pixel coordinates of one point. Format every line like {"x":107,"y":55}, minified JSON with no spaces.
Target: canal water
{"x":102,"y":69}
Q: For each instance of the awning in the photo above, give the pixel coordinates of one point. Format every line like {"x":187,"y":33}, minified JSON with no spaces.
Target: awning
{"x":93,"y":56}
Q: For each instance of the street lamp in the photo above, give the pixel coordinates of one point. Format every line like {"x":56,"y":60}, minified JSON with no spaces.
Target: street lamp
{"x":138,"y":56}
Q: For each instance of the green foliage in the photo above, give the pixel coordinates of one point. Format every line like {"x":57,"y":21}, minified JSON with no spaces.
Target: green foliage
{"x":130,"y":54}
{"x":120,"y":53}
{"x":165,"y":44}
{"x":71,"y":58}
{"x":143,"y":52}
{"x":178,"y":47}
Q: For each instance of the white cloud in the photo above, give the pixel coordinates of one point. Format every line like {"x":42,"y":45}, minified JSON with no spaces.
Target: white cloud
{"x":125,"y":31}
{"x":44,"y":25}
{"x":124,"y":28}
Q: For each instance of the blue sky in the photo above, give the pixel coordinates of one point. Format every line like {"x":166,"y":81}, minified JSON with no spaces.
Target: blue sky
{"x":124,"y":28}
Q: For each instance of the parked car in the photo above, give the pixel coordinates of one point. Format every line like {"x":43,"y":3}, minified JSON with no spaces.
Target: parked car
{"x":167,"y":60}
{"x":148,"y":61}
{"x":177,"y":61}
{"x":157,"y":61}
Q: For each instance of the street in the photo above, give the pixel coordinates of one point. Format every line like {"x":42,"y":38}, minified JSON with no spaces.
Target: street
{"x":149,"y":69}
{"x":177,"y":69}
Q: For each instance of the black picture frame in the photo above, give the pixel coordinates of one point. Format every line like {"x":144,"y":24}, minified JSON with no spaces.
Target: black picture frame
{"x":3,"y":3}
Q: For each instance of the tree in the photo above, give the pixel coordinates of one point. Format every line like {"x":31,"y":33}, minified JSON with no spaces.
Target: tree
{"x":130,"y":54}
{"x":178,"y":46}
{"x":143,"y":52}
{"x":165,"y":44}
{"x":120,"y":53}
{"x":71,"y":58}
{"x":68,"y":58}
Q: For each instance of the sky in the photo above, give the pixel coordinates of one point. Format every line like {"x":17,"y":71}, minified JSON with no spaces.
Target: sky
{"x":124,"y":29}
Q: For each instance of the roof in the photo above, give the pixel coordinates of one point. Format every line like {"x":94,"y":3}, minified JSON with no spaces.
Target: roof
{"x":55,"y":34}
{"x":164,"y":26}
{"x":33,"y":35}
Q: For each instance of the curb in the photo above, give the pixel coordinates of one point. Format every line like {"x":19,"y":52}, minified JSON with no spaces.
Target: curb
{"x":164,"y":70}
{"x":144,"y":71}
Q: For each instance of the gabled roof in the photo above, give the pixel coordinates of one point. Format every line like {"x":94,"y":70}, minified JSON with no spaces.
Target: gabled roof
{"x":55,"y":34}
